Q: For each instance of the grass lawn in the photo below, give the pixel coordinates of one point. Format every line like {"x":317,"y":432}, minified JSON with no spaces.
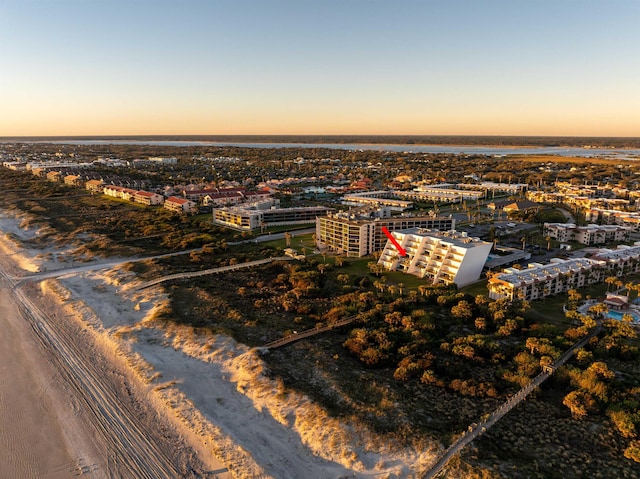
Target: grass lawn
{"x":202,"y":217}
{"x":479,"y":287}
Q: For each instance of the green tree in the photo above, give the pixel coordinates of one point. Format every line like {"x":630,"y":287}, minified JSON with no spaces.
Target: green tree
{"x":462,"y":310}
{"x":580,"y":403}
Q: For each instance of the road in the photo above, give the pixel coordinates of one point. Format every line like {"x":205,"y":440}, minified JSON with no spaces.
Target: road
{"x":134,"y":442}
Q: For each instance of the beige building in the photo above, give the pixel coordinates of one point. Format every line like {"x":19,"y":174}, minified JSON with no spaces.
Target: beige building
{"x":350,"y":235}
{"x":247,"y":219}
{"x":147,"y":198}
{"x":72,"y":180}
{"x":181,"y":205}
{"x":94,"y":186}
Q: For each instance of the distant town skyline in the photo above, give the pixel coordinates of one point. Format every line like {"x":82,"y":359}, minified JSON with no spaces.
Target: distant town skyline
{"x":197,"y":67}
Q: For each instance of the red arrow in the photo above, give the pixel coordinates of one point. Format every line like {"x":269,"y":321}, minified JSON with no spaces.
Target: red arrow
{"x":400,"y":249}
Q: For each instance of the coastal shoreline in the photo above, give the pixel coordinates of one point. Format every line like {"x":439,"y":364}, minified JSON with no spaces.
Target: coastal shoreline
{"x":214,"y":392}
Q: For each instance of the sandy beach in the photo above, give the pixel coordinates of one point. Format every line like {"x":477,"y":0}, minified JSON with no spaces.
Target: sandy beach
{"x":211,"y":393}
{"x":31,"y":433}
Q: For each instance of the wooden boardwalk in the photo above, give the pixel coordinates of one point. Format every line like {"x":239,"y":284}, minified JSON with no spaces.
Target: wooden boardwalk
{"x":478,"y":429}
{"x":204,"y":272}
{"x":278,"y":343}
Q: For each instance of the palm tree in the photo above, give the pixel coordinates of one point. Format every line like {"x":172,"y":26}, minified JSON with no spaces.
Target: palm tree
{"x":610,"y":280}
{"x":599,"y":309}
{"x":400,"y":286}
{"x":629,"y":287}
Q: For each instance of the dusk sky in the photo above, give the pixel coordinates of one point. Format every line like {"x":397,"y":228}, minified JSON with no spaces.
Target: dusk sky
{"x":113,"y":67}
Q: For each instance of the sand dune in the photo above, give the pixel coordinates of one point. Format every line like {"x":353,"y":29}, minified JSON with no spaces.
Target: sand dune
{"x":212,"y":391}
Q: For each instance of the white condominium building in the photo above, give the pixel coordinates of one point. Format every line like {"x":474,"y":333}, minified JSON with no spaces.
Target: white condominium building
{"x":447,"y":257}
{"x":559,"y":276}
{"x":538,"y":280}
{"x":622,"y":260}
{"x":590,"y":234}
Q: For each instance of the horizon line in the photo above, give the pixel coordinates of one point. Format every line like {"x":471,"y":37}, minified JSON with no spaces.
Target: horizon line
{"x":311,"y":135}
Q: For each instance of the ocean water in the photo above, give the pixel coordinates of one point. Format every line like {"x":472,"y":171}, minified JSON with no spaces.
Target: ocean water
{"x":452,"y":149}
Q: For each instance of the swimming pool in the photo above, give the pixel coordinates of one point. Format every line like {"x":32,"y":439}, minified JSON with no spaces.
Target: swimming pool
{"x":617,"y":315}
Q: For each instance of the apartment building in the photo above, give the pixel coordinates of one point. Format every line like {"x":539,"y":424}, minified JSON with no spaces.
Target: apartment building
{"x":538,"y":280}
{"x":121,"y":192}
{"x":54,"y":176}
{"x":588,"y":235}
{"x":510,"y":188}
{"x":630,"y":219}
{"x":181,"y":205}
{"x":377,"y":198}
{"x":440,"y":257}
{"x":355,"y":234}
{"x":247,"y":219}
{"x":147,"y":198}
{"x":622,"y":260}
{"x":94,"y":186}
{"x":73,"y":180}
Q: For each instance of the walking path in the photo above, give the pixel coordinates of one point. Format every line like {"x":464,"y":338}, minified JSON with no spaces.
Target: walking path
{"x":278,"y":343}
{"x":476,"y":429}
{"x":222,"y":269}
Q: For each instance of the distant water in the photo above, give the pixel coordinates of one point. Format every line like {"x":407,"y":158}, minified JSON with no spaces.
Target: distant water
{"x":451,"y":149}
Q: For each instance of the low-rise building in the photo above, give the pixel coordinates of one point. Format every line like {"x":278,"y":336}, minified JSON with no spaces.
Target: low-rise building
{"x":54,"y":176}
{"x":541,"y":280}
{"x":94,"y":186}
{"x":511,"y":188}
{"x":377,"y":198}
{"x":163,"y":160}
{"x":121,"y":192}
{"x":147,"y":198}
{"x":538,"y":280}
{"x":73,"y":180}
{"x":181,"y":205}
{"x":620,"y":261}
{"x":247,"y":219}
{"x":440,"y":257}
{"x":630,"y":219}
{"x":588,"y":235}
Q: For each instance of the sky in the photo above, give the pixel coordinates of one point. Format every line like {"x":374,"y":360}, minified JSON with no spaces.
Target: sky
{"x":402,"y":67}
